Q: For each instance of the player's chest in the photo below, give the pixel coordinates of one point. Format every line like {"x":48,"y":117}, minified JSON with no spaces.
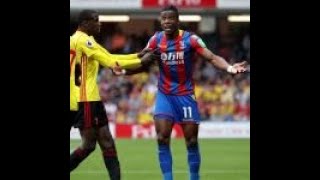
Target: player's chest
{"x":174,"y":51}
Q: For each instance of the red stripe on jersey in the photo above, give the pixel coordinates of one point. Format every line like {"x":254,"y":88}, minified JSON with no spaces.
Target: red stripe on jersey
{"x":195,"y":45}
{"x":197,"y":48}
{"x":181,"y":67}
{"x":167,"y":76}
{"x":153,"y":42}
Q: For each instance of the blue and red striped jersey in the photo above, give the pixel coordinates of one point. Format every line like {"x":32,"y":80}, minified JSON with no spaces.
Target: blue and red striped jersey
{"x":176,"y":63}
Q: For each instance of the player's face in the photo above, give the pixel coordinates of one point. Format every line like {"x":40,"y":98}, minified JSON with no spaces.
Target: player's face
{"x":94,"y":24}
{"x":169,"y":22}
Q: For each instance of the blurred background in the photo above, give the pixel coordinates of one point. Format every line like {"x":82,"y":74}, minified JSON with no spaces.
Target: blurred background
{"x":223,"y":99}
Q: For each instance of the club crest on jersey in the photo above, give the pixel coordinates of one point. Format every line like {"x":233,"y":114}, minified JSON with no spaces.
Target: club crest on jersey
{"x":89,"y":44}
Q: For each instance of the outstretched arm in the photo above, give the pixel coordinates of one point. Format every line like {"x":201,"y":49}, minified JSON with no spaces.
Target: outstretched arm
{"x":94,"y":51}
{"x":108,"y":60}
{"x":221,"y":63}
{"x":117,"y":70}
{"x":119,"y":56}
{"x":218,"y":61}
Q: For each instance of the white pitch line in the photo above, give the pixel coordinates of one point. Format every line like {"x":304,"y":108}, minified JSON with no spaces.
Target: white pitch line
{"x":175,"y":172}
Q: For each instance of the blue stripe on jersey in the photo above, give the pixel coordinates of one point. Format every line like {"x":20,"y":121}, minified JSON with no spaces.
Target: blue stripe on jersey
{"x":161,"y":77}
{"x":188,"y":61}
{"x":173,"y":69}
{"x":158,"y":37}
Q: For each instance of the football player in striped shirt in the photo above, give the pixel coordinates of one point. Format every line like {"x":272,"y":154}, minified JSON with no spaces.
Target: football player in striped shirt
{"x":175,"y":100}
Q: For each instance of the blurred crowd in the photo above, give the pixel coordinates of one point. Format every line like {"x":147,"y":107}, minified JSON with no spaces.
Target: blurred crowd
{"x":220,"y":96}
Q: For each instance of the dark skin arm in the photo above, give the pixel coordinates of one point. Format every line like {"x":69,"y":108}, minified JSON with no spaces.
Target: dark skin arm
{"x":221,"y":63}
{"x":148,"y":58}
{"x":216,"y":60}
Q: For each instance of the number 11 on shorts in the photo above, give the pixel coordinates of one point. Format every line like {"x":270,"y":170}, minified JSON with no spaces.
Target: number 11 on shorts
{"x":187,"y":111}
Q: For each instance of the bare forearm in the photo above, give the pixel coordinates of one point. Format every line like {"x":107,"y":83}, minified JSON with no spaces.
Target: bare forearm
{"x":135,"y":71}
{"x":219,"y":62}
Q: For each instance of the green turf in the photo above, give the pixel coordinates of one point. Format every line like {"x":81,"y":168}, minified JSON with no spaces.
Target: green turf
{"x":222,"y":159}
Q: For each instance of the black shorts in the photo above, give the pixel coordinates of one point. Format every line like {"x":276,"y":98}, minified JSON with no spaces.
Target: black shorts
{"x":91,"y":114}
{"x":72,"y":117}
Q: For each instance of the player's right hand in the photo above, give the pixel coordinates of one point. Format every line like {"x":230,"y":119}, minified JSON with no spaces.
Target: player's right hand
{"x":150,"y":57}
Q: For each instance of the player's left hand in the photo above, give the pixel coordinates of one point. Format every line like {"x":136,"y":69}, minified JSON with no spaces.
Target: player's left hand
{"x":238,"y":68}
{"x":143,"y":52}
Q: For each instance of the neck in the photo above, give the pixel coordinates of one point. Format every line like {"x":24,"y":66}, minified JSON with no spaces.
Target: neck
{"x":173,"y":35}
{"x":82,"y":30}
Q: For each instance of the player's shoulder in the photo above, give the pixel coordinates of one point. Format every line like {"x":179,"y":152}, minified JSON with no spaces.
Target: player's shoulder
{"x":156,"y":34}
{"x":72,"y":40}
{"x":88,"y":41}
{"x":73,"y":37}
{"x":191,"y":34}
{"x":84,"y":38}
{"x":197,"y":39}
